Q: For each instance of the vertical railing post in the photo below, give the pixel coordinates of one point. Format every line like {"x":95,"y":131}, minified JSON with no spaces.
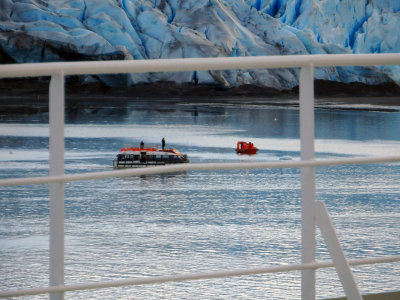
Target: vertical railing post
{"x":56,"y":124}
{"x":306,"y":93}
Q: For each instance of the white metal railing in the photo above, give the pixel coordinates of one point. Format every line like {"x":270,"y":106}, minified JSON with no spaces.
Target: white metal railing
{"x":314,"y":212}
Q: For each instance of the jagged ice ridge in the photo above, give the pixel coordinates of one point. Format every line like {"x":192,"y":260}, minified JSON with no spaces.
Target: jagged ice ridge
{"x":64,"y":30}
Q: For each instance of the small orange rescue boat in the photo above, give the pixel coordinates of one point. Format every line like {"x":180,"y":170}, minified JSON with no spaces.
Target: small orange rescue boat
{"x":246,"y":148}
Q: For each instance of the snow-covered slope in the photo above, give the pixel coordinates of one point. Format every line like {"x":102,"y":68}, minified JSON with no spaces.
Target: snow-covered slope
{"x":59,"y":30}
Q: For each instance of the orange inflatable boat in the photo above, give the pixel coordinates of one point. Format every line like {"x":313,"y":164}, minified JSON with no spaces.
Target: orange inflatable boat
{"x":246,"y":148}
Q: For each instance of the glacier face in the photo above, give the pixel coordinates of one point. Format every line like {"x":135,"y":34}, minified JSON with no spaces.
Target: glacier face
{"x":65,"y":30}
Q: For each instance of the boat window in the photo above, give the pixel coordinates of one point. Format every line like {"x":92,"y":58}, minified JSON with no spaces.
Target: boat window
{"x":136,"y":157}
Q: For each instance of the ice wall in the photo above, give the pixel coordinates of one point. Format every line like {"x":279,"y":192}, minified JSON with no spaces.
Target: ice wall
{"x":65,"y":30}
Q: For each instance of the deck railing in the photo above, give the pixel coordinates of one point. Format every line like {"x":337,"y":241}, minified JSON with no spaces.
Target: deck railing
{"x":314,"y":212}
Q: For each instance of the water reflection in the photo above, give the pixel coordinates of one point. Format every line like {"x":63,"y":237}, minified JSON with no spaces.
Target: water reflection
{"x":197,"y":221}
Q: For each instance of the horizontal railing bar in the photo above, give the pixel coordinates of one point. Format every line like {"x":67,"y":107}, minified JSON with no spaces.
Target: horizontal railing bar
{"x":191,"y":64}
{"x":193,"y":276}
{"x":196,"y":167}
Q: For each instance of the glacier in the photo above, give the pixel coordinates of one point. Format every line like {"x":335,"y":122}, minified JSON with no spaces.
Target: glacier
{"x":74,"y":30}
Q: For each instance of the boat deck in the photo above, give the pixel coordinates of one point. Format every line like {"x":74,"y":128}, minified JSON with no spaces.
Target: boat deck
{"x":379,"y":296}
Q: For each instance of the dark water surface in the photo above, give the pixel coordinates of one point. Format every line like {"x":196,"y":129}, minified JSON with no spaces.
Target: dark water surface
{"x":198,"y":221}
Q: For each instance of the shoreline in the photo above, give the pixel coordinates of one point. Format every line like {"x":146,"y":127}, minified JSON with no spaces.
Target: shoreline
{"x":25,"y":92}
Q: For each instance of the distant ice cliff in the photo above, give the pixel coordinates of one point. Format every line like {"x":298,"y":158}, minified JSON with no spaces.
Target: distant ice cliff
{"x":70,"y":30}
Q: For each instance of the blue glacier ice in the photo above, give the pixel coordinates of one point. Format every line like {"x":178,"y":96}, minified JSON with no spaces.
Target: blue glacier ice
{"x":69,"y":30}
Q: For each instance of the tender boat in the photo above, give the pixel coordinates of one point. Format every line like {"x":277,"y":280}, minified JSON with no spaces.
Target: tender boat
{"x":146,"y":157}
{"x":246,"y":148}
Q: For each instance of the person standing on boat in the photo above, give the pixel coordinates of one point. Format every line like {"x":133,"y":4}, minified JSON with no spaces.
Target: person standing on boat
{"x":141,"y":145}
{"x":163,"y":143}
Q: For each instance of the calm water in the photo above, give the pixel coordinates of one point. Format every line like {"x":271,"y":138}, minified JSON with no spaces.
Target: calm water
{"x":198,"y":221}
